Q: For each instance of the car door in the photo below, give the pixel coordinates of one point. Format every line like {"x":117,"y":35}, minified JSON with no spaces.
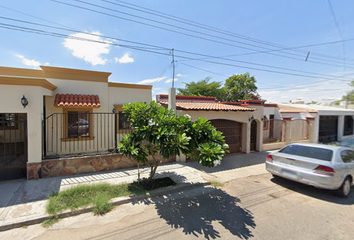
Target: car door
{"x":348,"y":159}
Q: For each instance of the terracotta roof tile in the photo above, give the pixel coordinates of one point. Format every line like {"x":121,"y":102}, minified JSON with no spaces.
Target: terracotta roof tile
{"x":77,"y":100}
{"x":208,"y":106}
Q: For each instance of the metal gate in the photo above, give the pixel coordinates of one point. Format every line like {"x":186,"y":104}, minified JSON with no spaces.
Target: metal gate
{"x":13,"y":146}
{"x":328,"y":130}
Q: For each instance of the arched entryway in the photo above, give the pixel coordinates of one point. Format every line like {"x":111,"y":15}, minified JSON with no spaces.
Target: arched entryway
{"x":253,"y":137}
{"x":232,"y":131}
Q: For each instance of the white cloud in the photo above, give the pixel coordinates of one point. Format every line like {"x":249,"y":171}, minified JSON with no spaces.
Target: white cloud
{"x":89,"y":51}
{"x":322,"y":92}
{"x":180,"y":75}
{"x":125,"y":59}
{"x":151,"y":80}
{"x":170,"y":80}
{"x":29,"y":62}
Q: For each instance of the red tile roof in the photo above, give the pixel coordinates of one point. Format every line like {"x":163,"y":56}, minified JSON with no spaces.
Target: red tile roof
{"x":208,"y":106}
{"x":77,"y":100}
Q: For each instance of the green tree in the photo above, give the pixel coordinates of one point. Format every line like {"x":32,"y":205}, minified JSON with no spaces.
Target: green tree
{"x":159,"y":134}
{"x":236,"y":88}
{"x":240,"y":87}
{"x":348,"y":97}
{"x":202,"y":88}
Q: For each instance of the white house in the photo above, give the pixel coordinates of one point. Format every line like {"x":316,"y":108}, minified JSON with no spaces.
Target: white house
{"x":68,"y":112}
{"x":330,"y":124}
{"x":240,"y":122}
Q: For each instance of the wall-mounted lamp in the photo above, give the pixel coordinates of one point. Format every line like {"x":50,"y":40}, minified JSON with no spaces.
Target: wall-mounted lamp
{"x":251,"y":119}
{"x":114,"y":110}
{"x":262,"y":119}
{"x":24,"y":101}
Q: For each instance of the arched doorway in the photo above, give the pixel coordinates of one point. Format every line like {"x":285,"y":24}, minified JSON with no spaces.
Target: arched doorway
{"x":253,"y":137}
{"x":232,"y":131}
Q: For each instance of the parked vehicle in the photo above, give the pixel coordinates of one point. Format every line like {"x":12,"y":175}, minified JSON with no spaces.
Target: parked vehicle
{"x":349,"y":142}
{"x":321,"y":166}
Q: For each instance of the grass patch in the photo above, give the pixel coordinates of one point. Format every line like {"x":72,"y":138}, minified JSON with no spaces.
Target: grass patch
{"x":49,"y":222}
{"x":102,"y":205}
{"x":98,"y":195}
{"x":216,"y":183}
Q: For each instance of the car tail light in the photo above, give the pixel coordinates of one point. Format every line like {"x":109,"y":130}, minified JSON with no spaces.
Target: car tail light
{"x":269,"y":158}
{"x":324,"y":170}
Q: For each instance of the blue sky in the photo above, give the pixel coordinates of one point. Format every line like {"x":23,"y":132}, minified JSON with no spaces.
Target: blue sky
{"x":269,"y":39}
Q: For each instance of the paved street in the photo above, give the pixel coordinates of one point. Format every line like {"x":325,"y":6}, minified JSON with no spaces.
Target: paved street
{"x":254,"y":207}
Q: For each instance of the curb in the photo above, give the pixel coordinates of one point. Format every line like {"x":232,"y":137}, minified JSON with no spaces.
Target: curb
{"x":115,"y":202}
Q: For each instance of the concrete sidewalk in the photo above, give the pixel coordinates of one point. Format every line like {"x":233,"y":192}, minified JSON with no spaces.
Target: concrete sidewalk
{"x":23,"y":202}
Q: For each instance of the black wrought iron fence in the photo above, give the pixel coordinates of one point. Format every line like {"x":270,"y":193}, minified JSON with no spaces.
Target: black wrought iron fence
{"x":81,"y":134}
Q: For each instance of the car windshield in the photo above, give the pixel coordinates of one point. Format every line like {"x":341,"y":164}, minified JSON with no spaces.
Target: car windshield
{"x":310,"y":152}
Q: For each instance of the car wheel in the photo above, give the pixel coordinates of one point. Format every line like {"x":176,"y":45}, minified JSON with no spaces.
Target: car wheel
{"x":345,"y":189}
{"x":276,"y":177}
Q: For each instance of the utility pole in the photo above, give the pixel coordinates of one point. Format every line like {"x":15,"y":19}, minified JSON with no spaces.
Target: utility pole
{"x":173,"y":68}
{"x":172,"y":90}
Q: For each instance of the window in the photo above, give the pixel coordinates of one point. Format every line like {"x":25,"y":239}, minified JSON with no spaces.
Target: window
{"x":265,"y":123}
{"x":8,"y":121}
{"x":348,"y":125}
{"x":310,"y":152}
{"x":123,"y":124}
{"x":123,"y":121}
{"x":77,"y":124}
{"x":347,"y":156}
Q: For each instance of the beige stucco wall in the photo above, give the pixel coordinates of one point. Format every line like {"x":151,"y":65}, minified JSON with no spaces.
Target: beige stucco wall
{"x":120,"y":96}
{"x":10,"y":97}
{"x":242,"y":117}
{"x":103,"y":125}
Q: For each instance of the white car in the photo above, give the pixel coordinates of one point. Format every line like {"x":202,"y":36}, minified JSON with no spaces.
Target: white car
{"x":318,"y":165}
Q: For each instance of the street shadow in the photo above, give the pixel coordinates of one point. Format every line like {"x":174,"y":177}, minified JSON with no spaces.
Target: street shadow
{"x":322,"y":194}
{"x":198,"y":210}
{"x":232,"y":161}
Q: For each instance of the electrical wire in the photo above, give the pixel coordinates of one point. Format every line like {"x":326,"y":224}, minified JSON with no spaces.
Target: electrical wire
{"x":206,"y":27}
{"x":14,"y":27}
{"x":171,"y":30}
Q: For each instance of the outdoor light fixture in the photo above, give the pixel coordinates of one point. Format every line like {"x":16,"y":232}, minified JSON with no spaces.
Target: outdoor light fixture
{"x":251,"y":119}
{"x":114,"y":110}
{"x":24,"y":101}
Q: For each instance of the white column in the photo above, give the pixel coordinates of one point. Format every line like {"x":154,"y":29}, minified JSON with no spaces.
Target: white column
{"x":172,"y":99}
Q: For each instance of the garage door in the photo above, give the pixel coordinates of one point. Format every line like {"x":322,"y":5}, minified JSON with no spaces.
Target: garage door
{"x":232,"y":132}
{"x":328,"y":130}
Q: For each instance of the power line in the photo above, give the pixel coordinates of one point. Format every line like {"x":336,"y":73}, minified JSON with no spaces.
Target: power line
{"x":257,"y":64}
{"x":141,"y":48}
{"x":204,"y":70}
{"x":338,"y":28}
{"x":203,"y":26}
{"x":178,"y":32}
{"x":92,"y":34}
{"x":41,"y":32}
